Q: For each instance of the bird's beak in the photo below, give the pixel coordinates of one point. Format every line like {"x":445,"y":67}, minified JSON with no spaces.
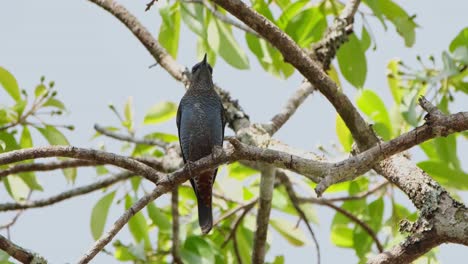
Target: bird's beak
{"x":204,"y":59}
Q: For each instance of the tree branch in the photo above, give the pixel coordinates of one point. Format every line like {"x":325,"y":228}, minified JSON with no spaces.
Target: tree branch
{"x":436,"y":125}
{"x":81,"y":153}
{"x":19,"y":253}
{"x":54,"y":165}
{"x":224,"y":18}
{"x":267,"y":183}
{"x":309,"y":68}
{"x":175,"y":226}
{"x":67,"y":194}
{"x":323,"y":51}
{"x":235,"y":115}
{"x":118,"y":136}
{"x":349,"y":215}
{"x":295,"y":201}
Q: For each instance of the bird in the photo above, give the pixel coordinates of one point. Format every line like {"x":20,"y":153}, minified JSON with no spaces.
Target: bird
{"x":200,"y":124}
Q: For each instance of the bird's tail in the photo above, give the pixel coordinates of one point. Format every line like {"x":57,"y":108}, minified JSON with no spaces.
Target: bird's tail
{"x":205,"y":216}
{"x":204,"y":185}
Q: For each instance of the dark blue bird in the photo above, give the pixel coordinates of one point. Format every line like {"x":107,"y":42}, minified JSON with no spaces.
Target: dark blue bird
{"x":200,"y":122}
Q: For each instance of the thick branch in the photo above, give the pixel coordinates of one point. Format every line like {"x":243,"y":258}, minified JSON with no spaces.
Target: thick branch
{"x":323,"y":51}
{"x":310,"y":69}
{"x":267,"y":183}
{"x":235,"y":115}
{"x":19,"y":253}
{"x":436,"y":126}
{"x":166,"y":184}
{"x":67,"y":194}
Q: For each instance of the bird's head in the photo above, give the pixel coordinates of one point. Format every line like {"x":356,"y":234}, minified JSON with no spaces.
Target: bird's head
{"x":202,"y":71}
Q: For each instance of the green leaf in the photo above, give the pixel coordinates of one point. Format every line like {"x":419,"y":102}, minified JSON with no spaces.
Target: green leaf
{"x":404,"y":24}
{"x":343,"y":133}
{"x":446,"y":148}
{"x":289,"y":12}
{"x":460,"y":40}
{"x":239,"y":171}
{"x":352,"y":62}
{"x":229,"y":50}
{"x":9,"y":83}
{"x":198,"y":249}
{"x":137,"y":225}
{"x":52,"y":102}
{"x":40,"y":91}
{"x":9,"y":141}
{"x":342,"y":236}
{"x":192,"y":15}
{"x":31,"y":180}
{"x":371,"y":104}
{"x":160,"y":112}
{"x":26,"y":139}
{"x":128,"y":113}
{"x":307,"y":26}
{"x":123,"y":253}
{"x":289,"y":231}
{"x":365,"y":39}
{"x":2,"y":145}
{"x":278,"y":260}
{"x":53,"y":135}
{"x":446,"y":176}
{"x":376,"y":210}
{"x":163,"y":136}
{"x":394,"y":79}
{"x":334,"y":76}
{"x":99,"y":214}
{"x":16,"y":187}
{"x":170,"y":28}
{"x":362,"y":242}
{"x":159,"y":218}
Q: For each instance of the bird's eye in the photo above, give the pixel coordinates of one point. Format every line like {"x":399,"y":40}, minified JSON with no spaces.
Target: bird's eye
{"x":195,"y":68}
{"x":211,"y":69}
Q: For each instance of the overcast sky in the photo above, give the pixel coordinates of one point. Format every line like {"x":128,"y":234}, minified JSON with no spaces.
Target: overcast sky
{"x":94,"y":61}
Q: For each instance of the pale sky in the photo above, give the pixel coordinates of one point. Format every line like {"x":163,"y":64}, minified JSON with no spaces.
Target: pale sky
{"x":94,"y":60}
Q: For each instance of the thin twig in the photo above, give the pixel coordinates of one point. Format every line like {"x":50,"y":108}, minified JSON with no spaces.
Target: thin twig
{"x":235,"y":210}
{"x":236,"y":223}
{"x":294,"y":200}
{"x":359,"y":195}
{"x":349,"y":215}
{"x":150,"y":4}
{"x":67,"y":194}
{"x":175,"y":226}
{"x":236,"y":249}
{"x":225,"y":18}
{"x":128,"y":138}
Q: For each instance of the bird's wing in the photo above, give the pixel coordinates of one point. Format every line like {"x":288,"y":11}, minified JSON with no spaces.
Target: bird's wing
{"x":178,"y":118}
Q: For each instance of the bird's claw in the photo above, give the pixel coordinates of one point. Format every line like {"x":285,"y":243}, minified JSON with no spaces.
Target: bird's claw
{"x":216,"y":152}
{"x":189,"y":164}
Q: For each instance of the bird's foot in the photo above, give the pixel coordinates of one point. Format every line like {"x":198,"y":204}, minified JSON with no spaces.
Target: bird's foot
{"x":189,"y":164}
{"x":216,"y":152}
